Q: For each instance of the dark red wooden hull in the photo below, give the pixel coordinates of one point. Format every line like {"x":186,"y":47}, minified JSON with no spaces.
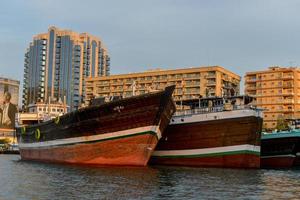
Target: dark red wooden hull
{"x":123,"y":132}
{"x":279,"y":150}
{"x":135,"y":150}
{"x":229,"y":142}
{"x":297,"y":160}
{"x":278,"y":162}
{"x":231,"y":161}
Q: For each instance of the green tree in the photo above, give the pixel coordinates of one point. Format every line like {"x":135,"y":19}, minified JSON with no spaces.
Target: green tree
{"x":4,"y":141}
{"x":281,"y":123}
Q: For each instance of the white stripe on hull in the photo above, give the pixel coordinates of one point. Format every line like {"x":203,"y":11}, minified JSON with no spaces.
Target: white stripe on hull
{"x":82,"y":139}
{"x":190,"y":152}
{"x":280,"y":156}
{"x":298,"y":154}
{"x":190,"y":118}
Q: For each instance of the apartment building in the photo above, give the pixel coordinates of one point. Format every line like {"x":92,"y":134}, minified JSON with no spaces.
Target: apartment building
{"x":57,"y":63}
{"x":191,"y":83}
{"x":277,"y":90}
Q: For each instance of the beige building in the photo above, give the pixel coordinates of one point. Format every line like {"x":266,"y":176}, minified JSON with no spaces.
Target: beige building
{"x":57,"y":63}
{"x":277,"y":90}
{"x":191,"y":83}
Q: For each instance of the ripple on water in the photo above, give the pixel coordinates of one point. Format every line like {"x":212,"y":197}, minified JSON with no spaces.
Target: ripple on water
{"x":32,"y":180}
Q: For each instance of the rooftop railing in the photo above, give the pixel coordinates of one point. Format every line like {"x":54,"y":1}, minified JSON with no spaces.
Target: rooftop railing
{"x":212,"y":110}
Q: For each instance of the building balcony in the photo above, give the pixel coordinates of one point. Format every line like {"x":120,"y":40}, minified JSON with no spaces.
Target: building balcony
{"x":192,"y":77}
{"x":178,"y":93}
{"x":128,"y":82}
{"x":100,"y":91}
{"x":147,"y":81}
{"x":192,"y":92}
{"x":130,"y":89}
{"x":174,"y":78}
{"x":288,"y":93}
{"x":288,"y":110}
{"x":251,"y":88}
{"x":117,"y":90}
{"x":288,"y":85}
{"x":289,"y":116}
{"x":192,"y":85}
{"x":210,"y":76}
{"x":288,"y":77}
{"x":102,"y":83}
{"x":226,"y":86}
{"x":161,"y":80}
{"x":225,"y":78}
{"x":288,"y":101}
{"x":251,"y":80}
{"x":210,"y":83}
{"x":116,"y":83}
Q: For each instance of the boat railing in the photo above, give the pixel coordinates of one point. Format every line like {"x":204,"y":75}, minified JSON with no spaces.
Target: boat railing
{"x":215,"y":109}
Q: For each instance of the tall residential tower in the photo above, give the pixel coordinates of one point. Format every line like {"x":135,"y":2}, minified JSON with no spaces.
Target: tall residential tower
{"x":57,"y":63}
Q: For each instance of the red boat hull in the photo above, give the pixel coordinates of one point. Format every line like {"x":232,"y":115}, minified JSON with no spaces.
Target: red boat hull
{"x":122,"y":132}
{"x":232,"y":161}
{"x":134,"y":150}
{"x":228,"y":141}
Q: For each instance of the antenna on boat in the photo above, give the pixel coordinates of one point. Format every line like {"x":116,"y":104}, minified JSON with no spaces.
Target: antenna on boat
{"x":49,"y":101}
{"x":133,"y":88}
{"x":65,"y":104}
{"x":181,"y":103}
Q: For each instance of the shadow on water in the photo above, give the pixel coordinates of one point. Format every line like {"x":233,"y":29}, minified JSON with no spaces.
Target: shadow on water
{"x":33,"y":180}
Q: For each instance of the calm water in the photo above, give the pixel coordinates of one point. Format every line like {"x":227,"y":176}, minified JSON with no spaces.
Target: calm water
{"x":29,"y":180}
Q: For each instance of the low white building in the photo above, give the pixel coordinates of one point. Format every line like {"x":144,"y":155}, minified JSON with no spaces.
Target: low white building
{"x":42,"y":112}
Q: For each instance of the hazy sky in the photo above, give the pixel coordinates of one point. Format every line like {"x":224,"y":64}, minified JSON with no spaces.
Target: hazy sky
{"x":238,"y":35}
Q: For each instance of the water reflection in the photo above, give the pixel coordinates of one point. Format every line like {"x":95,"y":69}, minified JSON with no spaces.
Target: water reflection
{"x":73,"y":182}
{"x":31,"y":180}
{"x":281,"y":184}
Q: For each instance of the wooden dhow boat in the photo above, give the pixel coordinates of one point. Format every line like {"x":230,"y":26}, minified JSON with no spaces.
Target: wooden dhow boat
{"x":121,"y":132}
{"x":215,"y":132}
